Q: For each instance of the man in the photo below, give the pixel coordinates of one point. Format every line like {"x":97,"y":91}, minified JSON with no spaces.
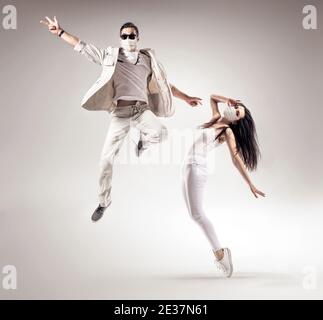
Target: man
{"x":133,"y":88}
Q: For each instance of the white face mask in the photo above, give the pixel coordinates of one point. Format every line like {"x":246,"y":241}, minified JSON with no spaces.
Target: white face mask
{"x":129,"y":44}
{"x":230,"y":113}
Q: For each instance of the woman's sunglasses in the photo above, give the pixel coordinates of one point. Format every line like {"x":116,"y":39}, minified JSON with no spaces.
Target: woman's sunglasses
{"x":131,"y":36}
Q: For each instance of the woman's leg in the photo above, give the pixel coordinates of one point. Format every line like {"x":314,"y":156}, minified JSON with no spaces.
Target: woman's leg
{"x":194,"y":177}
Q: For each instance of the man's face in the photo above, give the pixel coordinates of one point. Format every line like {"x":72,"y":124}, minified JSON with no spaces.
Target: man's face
{"x":129,"y":39}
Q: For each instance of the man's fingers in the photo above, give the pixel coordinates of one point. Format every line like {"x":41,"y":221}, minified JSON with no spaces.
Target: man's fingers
{"x":44,"y":22}
{"x":49,"y":20}
{"x":197,"y":101}
{"x":55,"y":19}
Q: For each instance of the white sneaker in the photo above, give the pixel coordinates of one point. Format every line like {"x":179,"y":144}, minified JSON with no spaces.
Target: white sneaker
{"x":225,"y":264}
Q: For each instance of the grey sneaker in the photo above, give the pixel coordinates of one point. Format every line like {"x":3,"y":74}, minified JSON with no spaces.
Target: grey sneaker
{"x":98,"y":213}
{"x":139,"y":148}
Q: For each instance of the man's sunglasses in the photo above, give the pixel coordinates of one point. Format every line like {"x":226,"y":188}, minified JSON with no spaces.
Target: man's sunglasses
{"x":131,"y":36}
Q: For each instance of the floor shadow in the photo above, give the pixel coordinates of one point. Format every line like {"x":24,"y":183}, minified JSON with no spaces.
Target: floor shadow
{"x":277,"y":277}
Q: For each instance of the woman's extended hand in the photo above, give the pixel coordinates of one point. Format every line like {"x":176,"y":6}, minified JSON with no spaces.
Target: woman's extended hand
{"x":255,"y":191}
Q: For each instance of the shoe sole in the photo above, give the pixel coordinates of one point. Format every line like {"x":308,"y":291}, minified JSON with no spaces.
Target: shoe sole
{"x":231,"y":265}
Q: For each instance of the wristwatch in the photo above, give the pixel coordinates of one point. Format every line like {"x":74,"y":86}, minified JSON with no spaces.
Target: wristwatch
{"x":61,"y":32}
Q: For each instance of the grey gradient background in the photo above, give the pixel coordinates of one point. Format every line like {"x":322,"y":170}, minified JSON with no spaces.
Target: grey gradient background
{"x":146,"y":246}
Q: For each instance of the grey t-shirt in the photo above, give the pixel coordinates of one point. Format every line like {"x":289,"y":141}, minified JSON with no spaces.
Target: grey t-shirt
{"x":130,"y":79}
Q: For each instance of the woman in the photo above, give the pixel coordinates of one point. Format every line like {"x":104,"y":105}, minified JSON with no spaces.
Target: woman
{"x":237,"y":129}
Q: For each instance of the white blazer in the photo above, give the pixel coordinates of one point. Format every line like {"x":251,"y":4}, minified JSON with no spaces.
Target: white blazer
{"x":100,"y":95}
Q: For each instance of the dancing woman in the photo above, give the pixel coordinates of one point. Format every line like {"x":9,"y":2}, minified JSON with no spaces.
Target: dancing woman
{"x":237,"y":129}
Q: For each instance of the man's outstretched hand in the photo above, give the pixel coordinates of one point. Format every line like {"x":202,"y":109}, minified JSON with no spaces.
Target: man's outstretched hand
{"x":53,"y":25}
{"x":194,"y":101}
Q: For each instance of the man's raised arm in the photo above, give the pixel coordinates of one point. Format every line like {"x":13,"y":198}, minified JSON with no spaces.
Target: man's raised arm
{"x":90,"y":51}
{"x":54,"y":28}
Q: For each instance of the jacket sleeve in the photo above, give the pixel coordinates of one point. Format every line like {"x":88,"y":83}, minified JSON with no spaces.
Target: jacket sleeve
{"x":161,"y":67}
{"x":91,"y":52}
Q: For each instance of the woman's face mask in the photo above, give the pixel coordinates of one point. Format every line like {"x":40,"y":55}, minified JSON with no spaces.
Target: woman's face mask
{"x":230,"y":113}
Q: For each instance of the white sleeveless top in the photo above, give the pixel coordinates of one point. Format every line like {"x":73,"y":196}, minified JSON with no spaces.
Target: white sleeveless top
{"x":203,"y":143}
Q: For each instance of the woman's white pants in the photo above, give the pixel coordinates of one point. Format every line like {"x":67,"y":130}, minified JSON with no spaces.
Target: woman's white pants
{"x":194,"y":178}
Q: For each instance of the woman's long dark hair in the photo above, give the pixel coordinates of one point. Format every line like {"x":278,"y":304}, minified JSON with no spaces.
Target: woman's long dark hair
{"x":245,"y":134}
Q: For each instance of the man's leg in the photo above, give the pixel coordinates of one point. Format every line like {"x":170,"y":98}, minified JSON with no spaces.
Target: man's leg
{"x":151,"y":129}
{"x":118,"y":130}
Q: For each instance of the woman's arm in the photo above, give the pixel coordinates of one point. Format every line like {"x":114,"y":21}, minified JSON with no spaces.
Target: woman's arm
{"x":214,"y":101}
{"x":237,"y":161}
{"x":215,"y":113}
{"x":215,"y":108}
{"x":217,"y":98}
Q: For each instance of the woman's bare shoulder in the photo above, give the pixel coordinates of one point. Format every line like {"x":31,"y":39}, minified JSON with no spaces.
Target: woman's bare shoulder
{"x":228,"y":134}
{"x":228,"y":131}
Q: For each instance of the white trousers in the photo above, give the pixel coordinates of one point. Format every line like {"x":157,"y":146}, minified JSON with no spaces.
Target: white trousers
{"x":123,"y":118}
{"x":194,"y":178}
